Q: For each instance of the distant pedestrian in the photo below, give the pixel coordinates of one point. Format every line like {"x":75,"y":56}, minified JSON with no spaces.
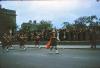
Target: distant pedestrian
{"x":92,"y":38}
{"x":37,"y":41}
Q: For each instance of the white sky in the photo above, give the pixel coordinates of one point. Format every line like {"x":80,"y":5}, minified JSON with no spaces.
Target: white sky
{"x":56,"y":11}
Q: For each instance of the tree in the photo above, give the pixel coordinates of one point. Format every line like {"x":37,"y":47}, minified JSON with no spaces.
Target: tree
{"x":34,"y":26}
{"x":44,"y":25}
{"x":67,"y":25}
{"x":92,"y":21}
{"x":81,"y":22}
{"x":97,"y":0}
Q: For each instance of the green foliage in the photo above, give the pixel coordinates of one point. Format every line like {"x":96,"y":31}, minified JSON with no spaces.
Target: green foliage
{"x":67,"y":25}
{"x":32,"y":26}
{"x":44,"y":25}
{"x":84,"y":22}
{"x":79,"y":23}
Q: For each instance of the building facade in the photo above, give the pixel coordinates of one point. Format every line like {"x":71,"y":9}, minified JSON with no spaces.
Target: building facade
{"x":7,"y":20}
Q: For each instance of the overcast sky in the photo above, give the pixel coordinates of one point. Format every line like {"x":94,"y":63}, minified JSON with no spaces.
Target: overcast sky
{"x":58,"y":11}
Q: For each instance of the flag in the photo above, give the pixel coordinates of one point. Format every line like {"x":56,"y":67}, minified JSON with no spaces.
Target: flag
{"x":48,"y":44}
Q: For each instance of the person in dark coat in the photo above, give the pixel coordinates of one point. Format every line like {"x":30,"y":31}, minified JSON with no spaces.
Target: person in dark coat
{"x":22,"y":40}
{"x":37,"y":41}
{"x":92,"y":38}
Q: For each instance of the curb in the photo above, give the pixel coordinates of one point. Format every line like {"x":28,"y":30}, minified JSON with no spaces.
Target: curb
{"x":64,"y":46}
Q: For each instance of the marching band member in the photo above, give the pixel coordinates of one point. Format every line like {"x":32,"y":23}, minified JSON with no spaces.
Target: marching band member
{"x":53,"y":42}
{"x":22,"y":40}
{"x":37,"y":41}
{"x":6,"y":41}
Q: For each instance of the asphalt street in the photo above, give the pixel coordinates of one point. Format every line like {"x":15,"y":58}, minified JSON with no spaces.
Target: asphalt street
{"x":41,"y":58}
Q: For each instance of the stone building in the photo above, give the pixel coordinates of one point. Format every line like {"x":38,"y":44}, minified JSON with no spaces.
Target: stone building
{"x":7,"y":20}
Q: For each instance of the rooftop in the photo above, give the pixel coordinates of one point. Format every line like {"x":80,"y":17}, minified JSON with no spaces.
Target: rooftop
{"x":7,"y":11}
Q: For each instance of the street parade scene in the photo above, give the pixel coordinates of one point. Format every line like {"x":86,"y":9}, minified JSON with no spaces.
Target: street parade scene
{"x":35,"y":34}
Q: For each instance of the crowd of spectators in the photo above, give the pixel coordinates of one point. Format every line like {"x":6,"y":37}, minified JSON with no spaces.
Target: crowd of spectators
{"x":62,"y":34}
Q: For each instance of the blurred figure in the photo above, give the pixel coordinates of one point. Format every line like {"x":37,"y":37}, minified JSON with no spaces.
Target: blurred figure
{"x":22,"y":40}
{"x":92,"y":38}
{"x":37,"y":41}
{"x":6,"y":41}
{"x":54,"y":42}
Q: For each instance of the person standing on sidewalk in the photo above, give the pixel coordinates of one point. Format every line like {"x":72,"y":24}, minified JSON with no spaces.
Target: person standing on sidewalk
{"x":92,"y":38}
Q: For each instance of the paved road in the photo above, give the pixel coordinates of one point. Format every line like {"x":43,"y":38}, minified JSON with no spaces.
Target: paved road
{"x":67,"y":46}
{"x":41,"y":58}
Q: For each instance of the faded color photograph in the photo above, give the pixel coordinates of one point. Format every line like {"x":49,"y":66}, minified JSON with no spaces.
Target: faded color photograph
{"x":49,"y":33}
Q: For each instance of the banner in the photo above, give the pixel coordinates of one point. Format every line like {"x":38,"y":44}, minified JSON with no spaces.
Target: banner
{"x":48,"y":44}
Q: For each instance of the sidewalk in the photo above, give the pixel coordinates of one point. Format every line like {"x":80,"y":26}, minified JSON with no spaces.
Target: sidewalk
{"x":67,"y":46}
{"x":62,"y":46}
